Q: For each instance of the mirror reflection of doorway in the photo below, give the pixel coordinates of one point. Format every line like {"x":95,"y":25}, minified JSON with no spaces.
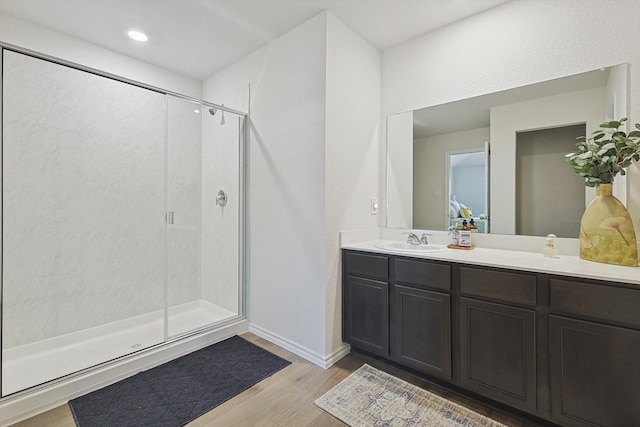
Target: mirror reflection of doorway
{"x":467,"y":188}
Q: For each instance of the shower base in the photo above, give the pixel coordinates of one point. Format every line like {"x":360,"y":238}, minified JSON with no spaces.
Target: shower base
{"x":37,"y":363}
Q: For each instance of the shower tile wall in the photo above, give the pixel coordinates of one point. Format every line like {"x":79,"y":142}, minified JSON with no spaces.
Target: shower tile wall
{"x":83,"y":178}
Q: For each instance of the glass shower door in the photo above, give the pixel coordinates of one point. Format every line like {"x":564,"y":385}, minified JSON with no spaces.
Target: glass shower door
{"x":203,"y":231}
{"x":83,"y":192}
{"x":184,"y":215}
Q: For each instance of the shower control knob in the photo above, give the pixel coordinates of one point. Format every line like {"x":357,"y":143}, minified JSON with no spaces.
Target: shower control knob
{"x":221,"y":198}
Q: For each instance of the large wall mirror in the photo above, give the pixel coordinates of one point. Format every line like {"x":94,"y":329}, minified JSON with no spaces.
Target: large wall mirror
{"x":499,"y":158}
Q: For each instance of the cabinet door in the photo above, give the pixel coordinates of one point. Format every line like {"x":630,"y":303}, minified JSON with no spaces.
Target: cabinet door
{"x":595,"y":374}
{"x":497,"y":352}
{"x":366,"y":314}
{"x":421,"y":330}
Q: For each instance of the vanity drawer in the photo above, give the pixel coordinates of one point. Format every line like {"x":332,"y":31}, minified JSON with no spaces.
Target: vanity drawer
{"x":423,"y":273}
{"x":596,"y":301}
{"x":517,"y":288}
{"x":366,"y":265}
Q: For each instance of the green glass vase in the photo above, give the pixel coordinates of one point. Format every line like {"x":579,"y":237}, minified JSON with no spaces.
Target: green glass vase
{"x":606,"y":231}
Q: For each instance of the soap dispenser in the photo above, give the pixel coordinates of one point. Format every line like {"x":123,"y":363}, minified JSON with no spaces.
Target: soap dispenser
{"x":550,"y":250}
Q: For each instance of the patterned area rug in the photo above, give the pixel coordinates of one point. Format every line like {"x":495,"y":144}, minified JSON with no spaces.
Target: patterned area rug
{"x":369,"y":397}
{"x":178,"y":391}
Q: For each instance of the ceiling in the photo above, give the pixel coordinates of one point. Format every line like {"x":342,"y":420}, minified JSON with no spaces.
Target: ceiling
{"x":198,"y":38}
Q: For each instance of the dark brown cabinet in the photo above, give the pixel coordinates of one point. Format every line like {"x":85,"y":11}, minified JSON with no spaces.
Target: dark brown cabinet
{"x":564,"y":349}
{"x":421,"y":330}
{"x":497,"y":352}
{"x":365,"y":303}
{"x":366,"y":311}
{"x":595,"y":374}
{"x":498,"y":335}
{"x":594,"y":332}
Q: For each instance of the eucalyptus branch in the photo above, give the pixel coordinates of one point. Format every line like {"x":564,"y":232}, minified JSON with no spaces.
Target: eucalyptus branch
{"x":606,"y":153}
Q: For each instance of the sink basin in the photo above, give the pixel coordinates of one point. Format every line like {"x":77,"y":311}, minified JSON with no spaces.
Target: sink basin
{"x":408,"y":247}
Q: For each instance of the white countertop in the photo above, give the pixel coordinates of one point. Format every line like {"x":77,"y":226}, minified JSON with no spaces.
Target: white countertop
{"x":564,"y":265}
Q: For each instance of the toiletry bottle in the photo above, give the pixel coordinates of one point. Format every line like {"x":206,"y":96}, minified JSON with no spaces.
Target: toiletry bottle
{"x":464,"y":224}
{"x":550,"y":250}
{"x":464,"y":238}
{"x":472,"y":226}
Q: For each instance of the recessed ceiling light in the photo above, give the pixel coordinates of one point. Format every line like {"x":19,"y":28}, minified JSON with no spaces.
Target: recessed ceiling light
{"x":138,"y":35}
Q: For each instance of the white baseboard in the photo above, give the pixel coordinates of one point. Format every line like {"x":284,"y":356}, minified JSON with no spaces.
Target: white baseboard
{"x":317,"y":359}
{"x":338,"y":354}
{"x":40,"y":399}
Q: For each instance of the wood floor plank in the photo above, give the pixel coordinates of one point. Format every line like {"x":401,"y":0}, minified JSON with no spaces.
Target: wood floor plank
{"x":285,"y":398}
{"x":56,"y":417}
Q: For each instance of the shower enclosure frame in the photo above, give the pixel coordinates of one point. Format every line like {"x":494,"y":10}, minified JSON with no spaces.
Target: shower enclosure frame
{"x":39,"y":397}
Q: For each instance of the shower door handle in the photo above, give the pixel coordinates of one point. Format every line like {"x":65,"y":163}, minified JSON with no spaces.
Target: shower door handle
{"x":221,"y":198}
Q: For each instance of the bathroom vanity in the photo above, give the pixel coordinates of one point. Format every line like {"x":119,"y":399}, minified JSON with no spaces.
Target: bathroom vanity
{"x":560,"y":345}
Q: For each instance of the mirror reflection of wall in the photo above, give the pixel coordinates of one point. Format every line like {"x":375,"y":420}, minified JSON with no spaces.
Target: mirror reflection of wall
{"x":550,"y":197}
{"x":400,"y":179}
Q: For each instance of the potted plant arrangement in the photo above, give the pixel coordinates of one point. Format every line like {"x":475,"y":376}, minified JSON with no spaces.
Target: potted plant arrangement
{"x":606,"y":229}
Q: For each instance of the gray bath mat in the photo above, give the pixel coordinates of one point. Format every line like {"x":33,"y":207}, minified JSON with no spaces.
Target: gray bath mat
{"x":177,"y":392}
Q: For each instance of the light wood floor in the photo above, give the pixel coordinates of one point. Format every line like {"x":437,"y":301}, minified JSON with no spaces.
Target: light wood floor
{"x":284,"y":399}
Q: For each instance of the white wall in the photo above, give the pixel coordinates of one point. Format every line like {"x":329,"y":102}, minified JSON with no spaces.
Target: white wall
{"x":313,"y":136}
{"x":39,"y":39}
{"x":286,"y":205}
{"x":518,"y":43}
{"x":352,"y":137}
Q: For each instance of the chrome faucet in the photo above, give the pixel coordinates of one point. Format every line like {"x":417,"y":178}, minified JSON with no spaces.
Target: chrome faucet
{"x":424,"y":239}
{"x":412,"y":239}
